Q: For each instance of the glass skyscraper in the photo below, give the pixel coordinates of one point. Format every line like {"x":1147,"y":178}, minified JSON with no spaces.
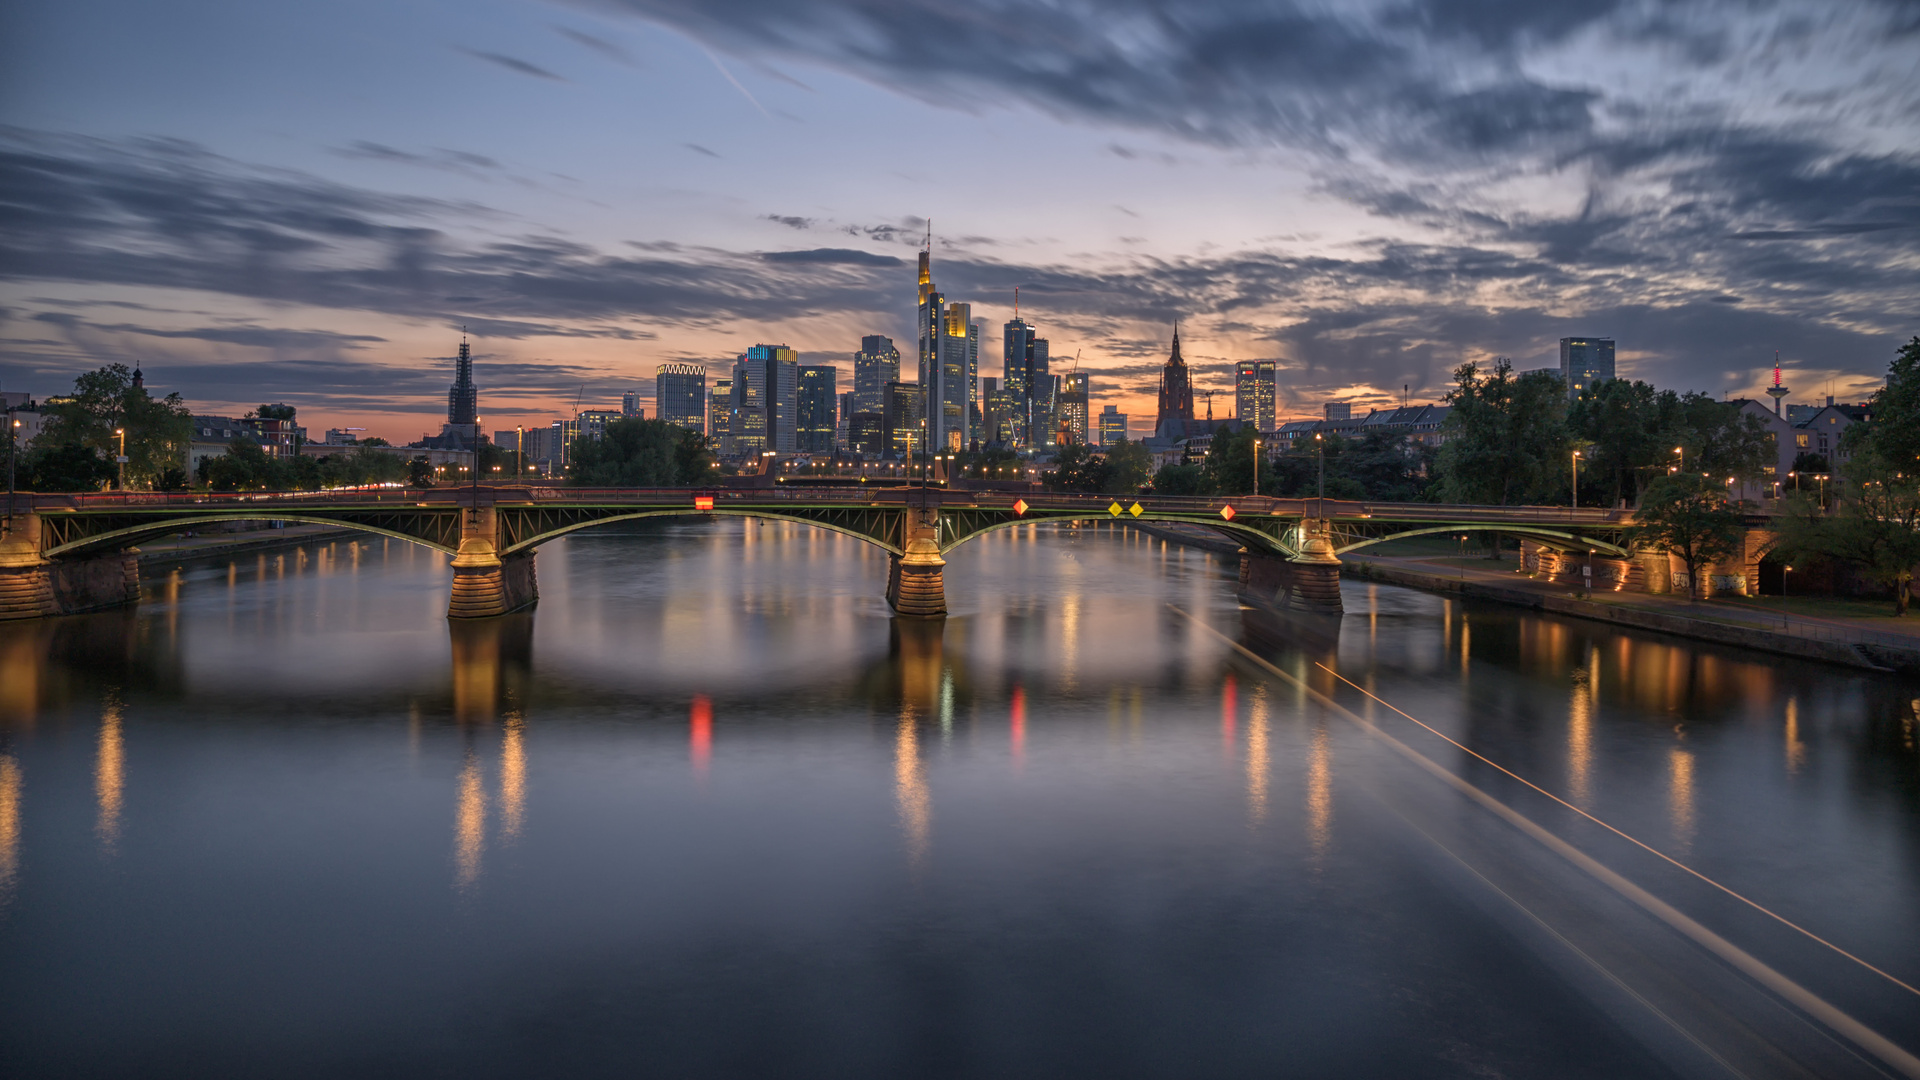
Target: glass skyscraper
{"x":1253,"y":387}
{"x":680,"y":393}
{"x":1585,"y":361}
{"x":817,"y":407}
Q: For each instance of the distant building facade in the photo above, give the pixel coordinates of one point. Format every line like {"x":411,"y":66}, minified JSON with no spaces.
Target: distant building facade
{"x":817,"y":408}
{"x":1075,"y":390}
{"x":1585,"y":361}
{"x":874,"y":366}
{"x":680,"y":395}
{"x":1253,"y":393}
{"x":1113,"y":425}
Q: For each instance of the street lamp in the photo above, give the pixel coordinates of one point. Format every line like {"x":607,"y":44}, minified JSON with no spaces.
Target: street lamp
{"x":121,"y":460}
{"x":1822,"y":477}
{"x":1576,"y":479}
{"x":1320,"y":448}
{"x":1463,"y":557}
{"x":1256,"y":464}
{"x":12,"y":438}
{"x":1785,"y":574}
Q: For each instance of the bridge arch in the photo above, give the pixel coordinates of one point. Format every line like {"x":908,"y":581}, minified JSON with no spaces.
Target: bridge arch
{"x":1553,"y":536}
{"x":554,"y":532}
{"x":1254,"y":539}
{"x":133,"y":534}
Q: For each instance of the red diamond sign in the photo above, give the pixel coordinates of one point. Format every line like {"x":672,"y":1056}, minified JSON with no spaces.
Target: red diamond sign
{"x":1019,"y":507}
{"x":1227,"y":512}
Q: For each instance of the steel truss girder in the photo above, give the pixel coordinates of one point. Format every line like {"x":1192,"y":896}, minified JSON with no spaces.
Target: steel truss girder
{"x":524,"y":527}
{"x":1351,"y":534}
{"x":78,"y":533}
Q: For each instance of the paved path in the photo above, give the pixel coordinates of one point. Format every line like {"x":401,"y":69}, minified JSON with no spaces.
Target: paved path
{"x":1735,"y":613}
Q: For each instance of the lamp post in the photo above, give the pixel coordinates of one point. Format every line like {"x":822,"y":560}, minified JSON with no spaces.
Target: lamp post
{"x":1681,"y":453}
{"x":1320,"y":449}
{"x":1256,"y":464}
{"x":1822,"y":477}
{"x":1576,"y":479}
{"x":1784,"y":576}
{"x":121,"y":460}
{"x":1462,"y":566}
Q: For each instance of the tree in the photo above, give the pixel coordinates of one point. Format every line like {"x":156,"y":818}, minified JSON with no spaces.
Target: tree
{"x":1876,"y":525}
{"x":1076,"y":468}
{"x":1178,"y":480}
{"x":419,"y":473}
{"x":1507,"y":436}
{"x":158,"y":431}
{"x":66,"y":467}
{"x":278,"y":411}
{"x":1722,"y":440}
{"x":244,"y":467}
{"x":1626,"y":433}
{"x":1129,"y":467}
{"x":1689,"y":516}
{"x":641,"y":453}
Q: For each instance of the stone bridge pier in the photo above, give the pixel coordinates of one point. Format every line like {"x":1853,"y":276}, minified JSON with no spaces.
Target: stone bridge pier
{"x":916,"y":585}
{"x":33,"y":586}
{"x":485,"y":583}
{"x":1308,"y":582}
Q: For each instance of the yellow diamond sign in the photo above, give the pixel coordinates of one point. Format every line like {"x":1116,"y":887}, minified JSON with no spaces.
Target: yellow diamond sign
{"x":1227,"y":512}
{"x":1114,"y":509}
{"x":1135,"y":510}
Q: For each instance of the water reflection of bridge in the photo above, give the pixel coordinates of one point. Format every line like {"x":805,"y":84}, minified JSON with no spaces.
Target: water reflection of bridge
{"x":66,"y":553}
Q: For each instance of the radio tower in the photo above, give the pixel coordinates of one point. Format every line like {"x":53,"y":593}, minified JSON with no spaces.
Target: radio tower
{"x":1776,"y":391}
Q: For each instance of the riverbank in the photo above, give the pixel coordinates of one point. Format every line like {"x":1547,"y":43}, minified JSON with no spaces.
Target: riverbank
{"x":209,"y":545}
{"x":1834,"y":641}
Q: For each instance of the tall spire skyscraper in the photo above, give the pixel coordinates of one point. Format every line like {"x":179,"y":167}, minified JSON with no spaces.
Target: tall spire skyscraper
{"x":1176,"y":390}
{"x":463,"y":398}
{"x":949,"y":353}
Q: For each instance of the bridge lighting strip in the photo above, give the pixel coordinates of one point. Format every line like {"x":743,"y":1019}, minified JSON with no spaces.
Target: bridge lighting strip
{"x":1879,"y":1045}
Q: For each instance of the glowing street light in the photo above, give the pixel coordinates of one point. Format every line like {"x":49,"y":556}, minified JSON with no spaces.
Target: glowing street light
{"x":121,"y":460}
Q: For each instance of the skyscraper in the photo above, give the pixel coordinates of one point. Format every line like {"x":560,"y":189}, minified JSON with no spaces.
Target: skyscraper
{"x":1077,"y":388}
{"x":1253,"y":390}
{"x":630,"y":405}
{"x":904,"y":412}
{"x":1028,"y":382}
{"x":950,"y":398}
{"x":720,"y":417}
{"x":1113,"y":425}
{"x":1176,"y":391}
{"x":817,"y":410}
{"x":770,"y":388}
{"x":874,"y":366}
{"x":680,"y":393}
{"x":463,"y":398}
{"x":1585,"y":361}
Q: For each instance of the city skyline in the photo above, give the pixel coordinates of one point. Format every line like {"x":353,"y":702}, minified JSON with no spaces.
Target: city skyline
{"x":564,"y":180}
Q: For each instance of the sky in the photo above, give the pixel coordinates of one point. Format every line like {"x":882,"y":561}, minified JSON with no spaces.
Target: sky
{"x":306,"y":203}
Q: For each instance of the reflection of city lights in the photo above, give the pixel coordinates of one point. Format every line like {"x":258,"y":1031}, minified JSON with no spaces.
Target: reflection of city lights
{"x":700,"y":732}
{"x":1680,"y":796}
{"x":1320,"y":791}
{"x":109,"y":778}
{"x":469,"y":825}
{"x":910,"y":787}
{"x":1229,"y":710}
{"x":513,"y":776}
{"x":1019,"y":723}
{"x":9,"y":822}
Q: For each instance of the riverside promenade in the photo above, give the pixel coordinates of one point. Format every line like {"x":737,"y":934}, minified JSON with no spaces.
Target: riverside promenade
{"x":1881,"y":644}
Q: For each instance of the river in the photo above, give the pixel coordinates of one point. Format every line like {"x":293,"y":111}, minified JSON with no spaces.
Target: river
{"x":709,"y":811}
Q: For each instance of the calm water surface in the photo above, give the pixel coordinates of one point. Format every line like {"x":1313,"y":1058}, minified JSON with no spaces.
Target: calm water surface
{"x":711,"y":812}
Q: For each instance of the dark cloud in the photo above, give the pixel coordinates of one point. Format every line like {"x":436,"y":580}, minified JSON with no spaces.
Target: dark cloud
{"x":790,"y":221}
{"x":168,"y":215}
{"x":600,"y":45}
{"x":514,"y":64}
{"x":445,"y":160}
{"x":839,"y":256}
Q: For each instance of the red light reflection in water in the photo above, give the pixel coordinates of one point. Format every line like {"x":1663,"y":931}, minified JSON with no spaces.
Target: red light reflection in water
{"x":701,"y":733}
{"x":1019,"y":724}
{"x":1229,"y":711}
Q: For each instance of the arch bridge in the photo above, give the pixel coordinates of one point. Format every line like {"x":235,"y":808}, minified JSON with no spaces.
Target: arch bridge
{"x":62,"y":553}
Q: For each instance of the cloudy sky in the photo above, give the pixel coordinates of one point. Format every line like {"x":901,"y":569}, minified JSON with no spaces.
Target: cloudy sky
{"x":263,"y":202}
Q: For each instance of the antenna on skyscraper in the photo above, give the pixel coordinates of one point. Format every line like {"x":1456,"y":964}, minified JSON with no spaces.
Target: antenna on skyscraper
{"x":1016,"y":301}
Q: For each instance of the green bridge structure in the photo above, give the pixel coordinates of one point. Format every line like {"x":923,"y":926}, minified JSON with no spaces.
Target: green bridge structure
{"x":61,"y":554}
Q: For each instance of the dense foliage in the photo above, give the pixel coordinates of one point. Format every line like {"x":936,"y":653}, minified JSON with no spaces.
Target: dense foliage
{"x":1690,"y":517}
{"x":1121,"y":469}
{"x":1875,"y":524}
{"x":158,"y":431}
{"x":641,"y":453}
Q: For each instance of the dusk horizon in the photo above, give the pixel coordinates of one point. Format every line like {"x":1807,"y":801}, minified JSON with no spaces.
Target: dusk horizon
{"x":300,"y":207}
